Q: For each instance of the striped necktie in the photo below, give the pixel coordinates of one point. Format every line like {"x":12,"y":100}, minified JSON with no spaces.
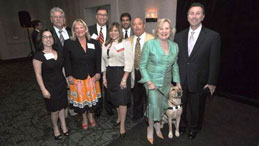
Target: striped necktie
{"x":101,"y":40}
{"x":61,"y":37}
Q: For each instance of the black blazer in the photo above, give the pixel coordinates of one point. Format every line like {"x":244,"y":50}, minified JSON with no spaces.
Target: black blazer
{"x":57,"y":42}
{"x":35,"y":41}
{"x":93,"y":29}
{"x":80,"y":64}
{"x":202,"y":66}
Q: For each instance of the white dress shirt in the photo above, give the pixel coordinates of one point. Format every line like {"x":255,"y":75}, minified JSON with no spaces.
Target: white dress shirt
{"x":196,"y":33}
{"x":128,"y":32}
{"x":141,"y":41}
{"x":104,"y":30}
{"x":64,"y":33}
{"x":120,"y":54}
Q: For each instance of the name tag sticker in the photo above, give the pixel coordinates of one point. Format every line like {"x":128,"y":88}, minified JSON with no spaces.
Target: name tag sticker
{"x":90,"y":46}
{"x":119,"y":47}
{"x":94,"y":36}
{"x":49,"y":56}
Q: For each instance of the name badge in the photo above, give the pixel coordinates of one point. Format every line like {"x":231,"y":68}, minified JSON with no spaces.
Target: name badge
{"x":119,"y":47}
{"x":90,"y":46}
{"x":49,"y":56}
{"x":94,"y":36}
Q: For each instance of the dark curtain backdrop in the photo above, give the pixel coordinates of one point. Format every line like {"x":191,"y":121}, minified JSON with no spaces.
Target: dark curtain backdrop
{"x":237,"y":22}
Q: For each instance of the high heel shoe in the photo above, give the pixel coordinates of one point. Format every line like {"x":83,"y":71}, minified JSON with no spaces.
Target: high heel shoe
{"x":59,"y":137}
{"x":158,"y":131}
{"x":93,"y":124}
{"x":160,"y":135}
{"x":115,"y":124}
{"x":123,"y":135}
{"x":150,"y":139}
{"x":66,"y":133}
{"x":85,"y":126}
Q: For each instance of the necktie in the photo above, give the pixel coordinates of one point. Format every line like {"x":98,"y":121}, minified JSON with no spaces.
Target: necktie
{"x":101,"y":40}
{"x":61,"y":37}
{"x":191,"y":43}
{"x":137,"y":54}
{"x":126,"y":34}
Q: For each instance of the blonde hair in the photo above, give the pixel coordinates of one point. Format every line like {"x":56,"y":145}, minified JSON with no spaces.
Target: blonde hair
{"x":79,"y":21}
{"x":159,"y":24}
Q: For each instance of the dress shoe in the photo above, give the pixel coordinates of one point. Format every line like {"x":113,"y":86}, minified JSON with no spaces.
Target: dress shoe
{"x":123,"y":135}
{"x":192,"y":134}
{"x":59,"y":137}
{"x":85,"y":126}
{"x":182,"y":130}
{"x":93,"y":124}
{"x":66,"y":133}
{"x":115,"y":124}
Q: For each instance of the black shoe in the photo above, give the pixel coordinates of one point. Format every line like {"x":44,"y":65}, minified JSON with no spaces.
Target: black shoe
{"x":66,"y":133}
{"x":115,"y":124}
{"x":192,"y":134}
{"x":123,"y":135}
{"x":182,"y":130}
{"x":59,"y":137}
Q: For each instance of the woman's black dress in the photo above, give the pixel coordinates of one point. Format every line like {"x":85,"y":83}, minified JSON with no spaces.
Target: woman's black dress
{"x":54,"y":81}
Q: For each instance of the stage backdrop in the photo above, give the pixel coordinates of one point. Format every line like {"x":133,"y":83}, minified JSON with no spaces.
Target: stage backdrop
{"x":238,"y":24}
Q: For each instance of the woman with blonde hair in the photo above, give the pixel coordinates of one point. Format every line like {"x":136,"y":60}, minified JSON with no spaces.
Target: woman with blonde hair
{"x":158,"y":67}
{"x":83,"y":69}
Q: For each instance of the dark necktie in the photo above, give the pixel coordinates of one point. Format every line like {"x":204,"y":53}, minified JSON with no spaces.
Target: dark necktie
{"x":61,"y":37}
{"x":101,"y":40}
{"x":126,"y":34}
{"x":137,"y":54}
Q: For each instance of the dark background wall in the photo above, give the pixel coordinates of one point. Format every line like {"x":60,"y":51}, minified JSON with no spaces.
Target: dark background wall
{"x":238,"y":24}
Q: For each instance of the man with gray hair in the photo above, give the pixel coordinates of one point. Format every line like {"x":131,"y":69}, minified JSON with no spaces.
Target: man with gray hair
{"x":60,"y":32}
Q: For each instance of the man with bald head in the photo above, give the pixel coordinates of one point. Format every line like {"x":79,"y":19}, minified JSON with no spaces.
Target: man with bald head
{"x":137,"y":40}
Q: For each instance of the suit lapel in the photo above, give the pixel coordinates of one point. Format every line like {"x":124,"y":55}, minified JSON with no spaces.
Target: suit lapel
{"x":200,"y":39}
{"x":185,"y":42}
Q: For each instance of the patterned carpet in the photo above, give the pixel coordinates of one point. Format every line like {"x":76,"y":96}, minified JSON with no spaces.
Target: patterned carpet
{"x":24,"y":120}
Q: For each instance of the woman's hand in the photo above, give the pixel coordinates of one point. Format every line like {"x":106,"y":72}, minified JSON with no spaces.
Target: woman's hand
{"x":123,"y":84}
{"x":46,"y":94}
{"x":151,"y":86}
{"x":105,"y":82}
{"x":70,"y":80}
{"x":97,"y":77}
{"x":179,"y":86}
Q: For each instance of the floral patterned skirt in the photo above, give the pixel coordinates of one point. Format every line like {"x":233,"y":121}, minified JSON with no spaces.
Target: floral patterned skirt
{"x":84,"y":94}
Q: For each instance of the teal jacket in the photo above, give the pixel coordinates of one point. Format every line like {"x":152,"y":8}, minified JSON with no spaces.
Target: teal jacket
{"x":156,"y":66}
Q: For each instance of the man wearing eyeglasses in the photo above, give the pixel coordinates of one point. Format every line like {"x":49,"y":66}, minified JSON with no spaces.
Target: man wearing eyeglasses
{"x":99,"y":31}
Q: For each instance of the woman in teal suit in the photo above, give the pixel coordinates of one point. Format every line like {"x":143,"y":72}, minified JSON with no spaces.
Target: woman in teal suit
{"x":158,"y":67}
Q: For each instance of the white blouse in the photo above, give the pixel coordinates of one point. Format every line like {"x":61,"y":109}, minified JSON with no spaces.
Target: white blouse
{"x":120,"y":54}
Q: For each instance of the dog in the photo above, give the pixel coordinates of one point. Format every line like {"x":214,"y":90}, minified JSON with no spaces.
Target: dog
{"x":174,"y":111}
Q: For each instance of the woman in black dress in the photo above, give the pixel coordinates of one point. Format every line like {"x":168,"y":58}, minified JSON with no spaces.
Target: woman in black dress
{"x":117,"y":63}
{"x":47,"y":65}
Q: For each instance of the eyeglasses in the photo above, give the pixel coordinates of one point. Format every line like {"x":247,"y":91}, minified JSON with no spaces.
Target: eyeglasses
{"x":47,"y":37}
{"x":102,"y":15}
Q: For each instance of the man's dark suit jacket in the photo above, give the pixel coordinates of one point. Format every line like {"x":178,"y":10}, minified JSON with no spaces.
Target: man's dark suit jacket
{"x":80,"y":64}
{"x":202,"y":66}
{"x":93,"y":29}
{"x":34,"y":36}
{"x":57,"y":42}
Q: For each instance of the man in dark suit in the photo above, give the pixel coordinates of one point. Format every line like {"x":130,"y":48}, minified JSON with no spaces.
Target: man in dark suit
{"x":198,"y":60}
{"x":126,"y":27}
{"x":37,"y":25}
{"x":60,"y":31}
{"x":99,"y":31}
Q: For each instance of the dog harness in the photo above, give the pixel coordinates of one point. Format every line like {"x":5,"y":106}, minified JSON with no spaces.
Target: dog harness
{"x":175,"y":108}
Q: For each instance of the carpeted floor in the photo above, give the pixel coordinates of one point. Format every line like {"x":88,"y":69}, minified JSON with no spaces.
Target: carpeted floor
{"x":24,"y":120}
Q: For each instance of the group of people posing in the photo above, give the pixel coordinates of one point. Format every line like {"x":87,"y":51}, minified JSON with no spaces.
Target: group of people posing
{"x":129,"y":63}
